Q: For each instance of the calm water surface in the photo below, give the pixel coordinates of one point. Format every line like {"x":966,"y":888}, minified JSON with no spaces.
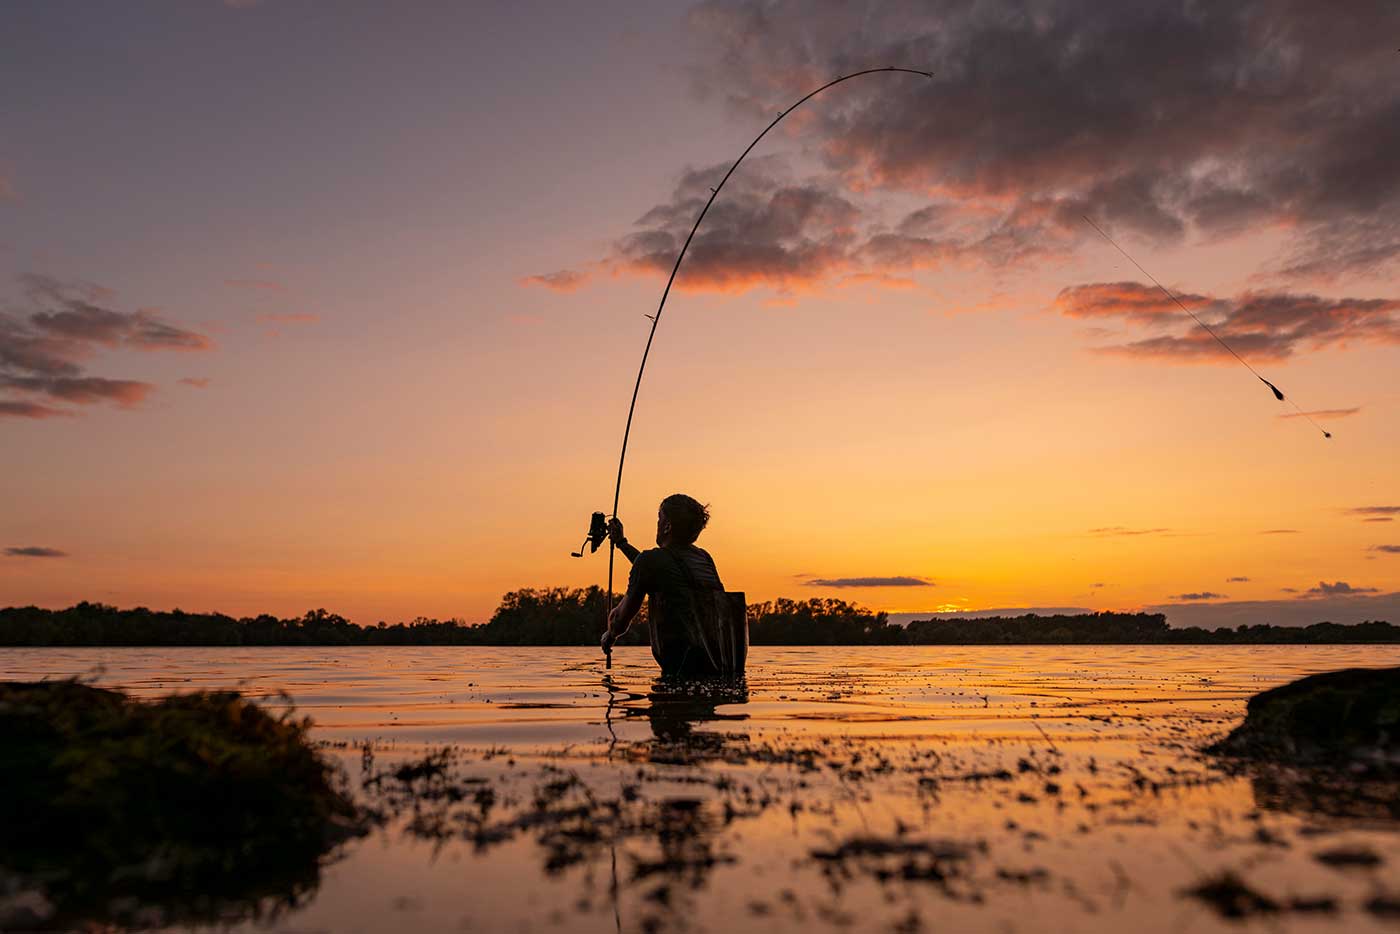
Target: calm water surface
{"x":895,"y":788}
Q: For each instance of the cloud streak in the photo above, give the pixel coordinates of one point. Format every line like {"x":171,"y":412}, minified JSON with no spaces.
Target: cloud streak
{"x":44,"y":351}
{"x":565,"y":280}
{"x":1338,"y":588}
{"x":896,"y":581}
{"x":1118,"y":530}
{"x":34,"y":551}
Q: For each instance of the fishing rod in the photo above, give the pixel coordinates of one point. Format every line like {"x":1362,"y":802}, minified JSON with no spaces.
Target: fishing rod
{"x":597,"y":527}
{"x":1278,"y":393}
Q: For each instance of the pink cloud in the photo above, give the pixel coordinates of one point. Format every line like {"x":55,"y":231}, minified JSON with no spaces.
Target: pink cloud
{"x":1258,"y":325}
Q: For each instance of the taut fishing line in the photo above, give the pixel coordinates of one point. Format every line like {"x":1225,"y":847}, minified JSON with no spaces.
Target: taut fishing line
{"x":1278,"y":394}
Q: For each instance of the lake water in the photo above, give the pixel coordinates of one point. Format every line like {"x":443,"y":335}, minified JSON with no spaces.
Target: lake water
{"x":896,"y":788}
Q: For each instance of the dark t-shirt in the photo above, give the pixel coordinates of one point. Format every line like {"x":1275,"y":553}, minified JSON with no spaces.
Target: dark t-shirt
{"x":657,"y":574}
{"x":654,"y":571}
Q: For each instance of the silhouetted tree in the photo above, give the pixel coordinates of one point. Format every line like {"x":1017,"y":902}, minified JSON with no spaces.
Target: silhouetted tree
{"x":564,"y":616}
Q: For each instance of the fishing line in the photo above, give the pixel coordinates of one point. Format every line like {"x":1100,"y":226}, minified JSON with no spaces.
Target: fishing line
{"x":1278,"y":394}
{"x":656,"y":319}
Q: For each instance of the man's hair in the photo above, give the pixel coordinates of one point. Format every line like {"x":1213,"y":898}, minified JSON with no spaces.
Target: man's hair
{"x":688,"y":517}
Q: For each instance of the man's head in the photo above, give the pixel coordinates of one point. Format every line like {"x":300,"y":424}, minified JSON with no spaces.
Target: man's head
{"x":680,"y":519}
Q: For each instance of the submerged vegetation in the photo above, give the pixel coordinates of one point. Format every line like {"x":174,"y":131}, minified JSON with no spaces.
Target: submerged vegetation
{"x":563,"y":616}
{"x":196,"y":807}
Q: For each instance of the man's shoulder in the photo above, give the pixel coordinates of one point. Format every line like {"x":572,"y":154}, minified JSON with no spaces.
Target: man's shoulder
{"x":650,"y":557}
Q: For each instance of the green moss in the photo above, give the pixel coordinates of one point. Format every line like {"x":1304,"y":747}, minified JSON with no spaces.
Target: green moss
{"x":1335,"y":718}
{"x":198,"y":805}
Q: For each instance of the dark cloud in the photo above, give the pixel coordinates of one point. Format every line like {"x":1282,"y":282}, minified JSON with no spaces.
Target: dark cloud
{"x":898,"y":581}
{"x":12,"y":409}
{"x":1122,"y":530}
{"x":1195,"y":597}
{"x":1379,"y":519}
{"x":82,"y":390}
{"x":1260,"y":326}
{"x":71,"y":315}
{"x":762,"y":232}
{"x":1340,"y":587}
{"x":1282,"y":115}
{"x":1375,"y":510}
{"x":1035,"y":117}
{"x":1346,"y":608}
{"x":1280,"y":532}
{"x":565,"y":280}
{"x":35,"y":551}
{"x":1236,"y":580}
{"x":767,"y":230}
{"x":43,"y":351}
{"x":1387,"y":549}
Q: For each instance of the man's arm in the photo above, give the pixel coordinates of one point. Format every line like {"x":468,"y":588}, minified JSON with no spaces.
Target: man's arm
{"x":627,"y":609}
{"x":620,"y":540}
{"x":623,"y":614}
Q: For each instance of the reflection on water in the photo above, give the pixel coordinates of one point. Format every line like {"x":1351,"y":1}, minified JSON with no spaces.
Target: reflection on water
{"x":674,"y":708}
{"x":982,"y":789}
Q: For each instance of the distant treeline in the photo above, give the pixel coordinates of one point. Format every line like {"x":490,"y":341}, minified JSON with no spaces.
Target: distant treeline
{"x":561,"y":616}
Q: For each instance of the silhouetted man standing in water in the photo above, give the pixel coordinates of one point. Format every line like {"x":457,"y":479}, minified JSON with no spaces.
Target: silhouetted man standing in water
{"x":690,"y":636}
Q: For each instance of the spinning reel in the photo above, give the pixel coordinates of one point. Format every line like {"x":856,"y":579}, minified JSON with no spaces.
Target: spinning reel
{"x":597,"y":534}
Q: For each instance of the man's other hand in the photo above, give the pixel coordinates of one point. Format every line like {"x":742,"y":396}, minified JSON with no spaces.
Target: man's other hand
{"x":615,"y":530}
{"x":607,"y":641}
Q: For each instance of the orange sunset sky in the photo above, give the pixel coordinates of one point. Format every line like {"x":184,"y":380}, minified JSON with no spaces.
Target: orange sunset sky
{"x":339,"y":304}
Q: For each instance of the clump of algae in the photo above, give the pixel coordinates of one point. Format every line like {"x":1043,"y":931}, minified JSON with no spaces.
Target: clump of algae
{"x":198,"y":806}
